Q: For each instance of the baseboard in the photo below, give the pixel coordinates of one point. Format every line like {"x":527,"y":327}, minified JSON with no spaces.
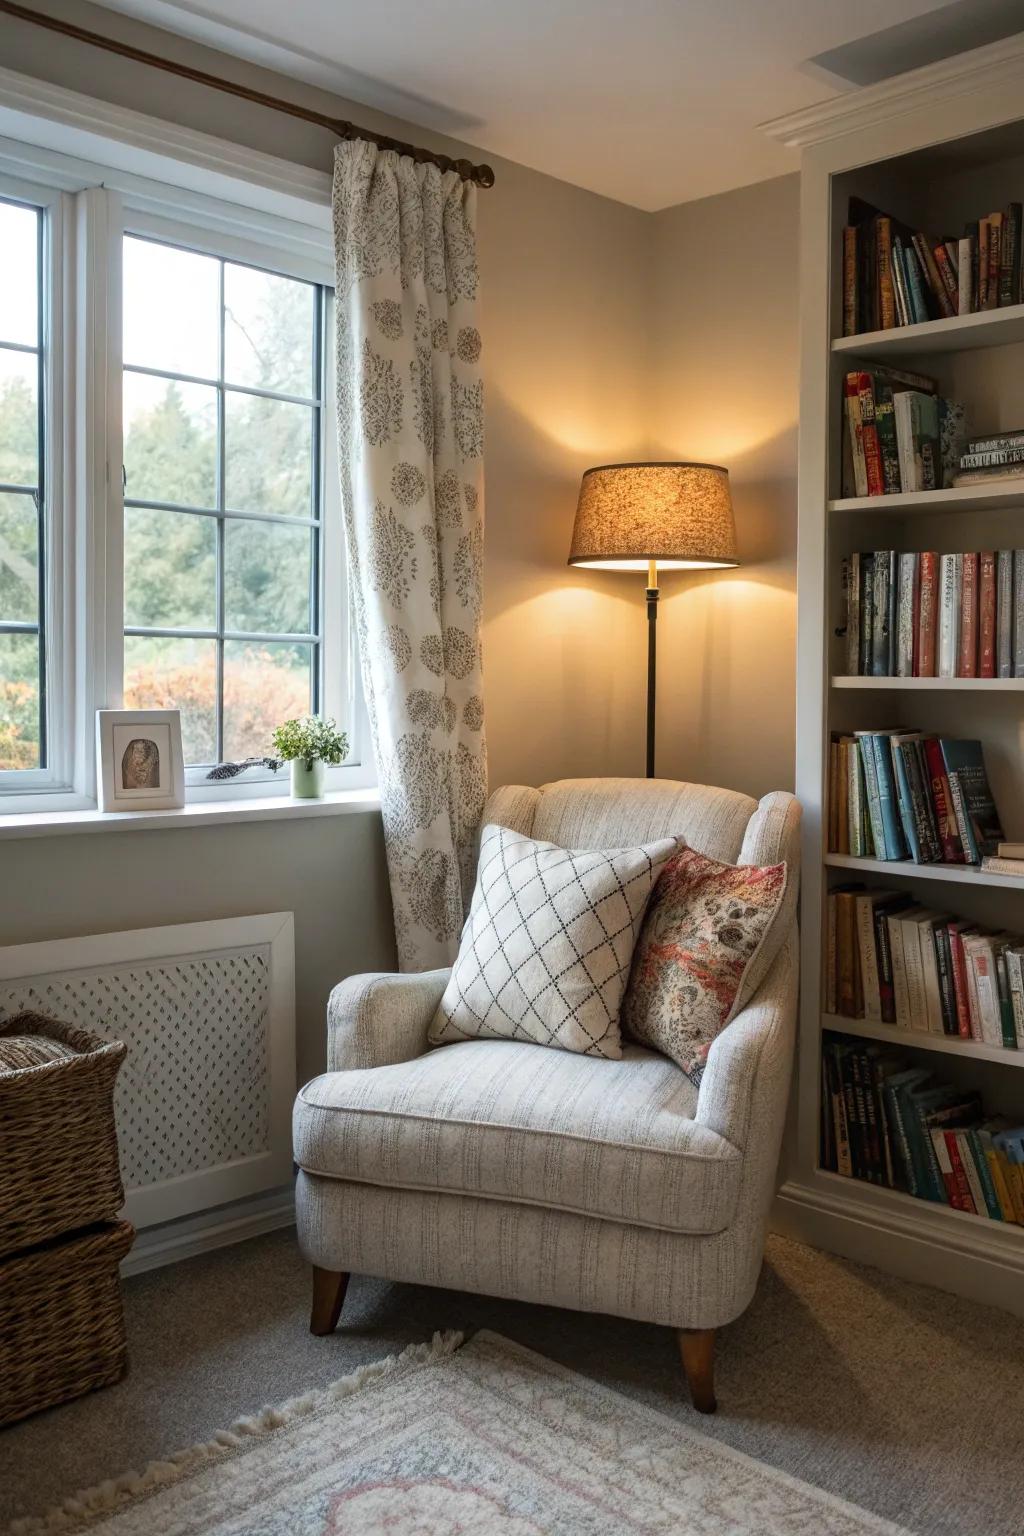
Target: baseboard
{"x":173,"y":1241}
{"x":900,"y":1244}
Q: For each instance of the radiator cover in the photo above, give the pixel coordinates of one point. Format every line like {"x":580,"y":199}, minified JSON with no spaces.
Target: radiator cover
{"x":203,"y":1100}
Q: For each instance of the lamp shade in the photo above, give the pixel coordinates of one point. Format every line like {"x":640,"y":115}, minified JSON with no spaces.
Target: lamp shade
{"x":679,"y":515}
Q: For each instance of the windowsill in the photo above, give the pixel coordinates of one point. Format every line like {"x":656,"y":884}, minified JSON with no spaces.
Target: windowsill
{"x":203,"y":813}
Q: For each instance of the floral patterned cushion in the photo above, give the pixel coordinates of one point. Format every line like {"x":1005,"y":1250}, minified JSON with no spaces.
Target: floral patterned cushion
{"x":701,"y":952}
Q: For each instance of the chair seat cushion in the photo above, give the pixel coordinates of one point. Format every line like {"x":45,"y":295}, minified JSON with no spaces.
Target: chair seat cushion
{"x":513,"y":1121}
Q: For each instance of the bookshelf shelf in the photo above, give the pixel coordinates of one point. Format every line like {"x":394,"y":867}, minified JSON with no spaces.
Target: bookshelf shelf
{"x":922,"y":1040}
{"x":994,"y":497}
{"x":932,"y":684}
{"x":958,"y":874}
{"x":1002,"y":1234}
{"x":961,"y":333}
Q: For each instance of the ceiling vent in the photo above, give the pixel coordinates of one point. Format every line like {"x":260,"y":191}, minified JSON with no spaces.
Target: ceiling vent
{"x":941,"y":34}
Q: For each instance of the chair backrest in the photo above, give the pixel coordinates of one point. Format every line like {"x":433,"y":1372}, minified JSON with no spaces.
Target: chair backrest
{"x":619,"y":813}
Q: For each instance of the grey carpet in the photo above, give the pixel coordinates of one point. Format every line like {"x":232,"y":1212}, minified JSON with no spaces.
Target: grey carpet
{"x":898,"y":1397}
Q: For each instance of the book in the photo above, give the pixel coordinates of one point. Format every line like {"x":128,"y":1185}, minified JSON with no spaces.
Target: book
{"x":1010,"y":850}
{"x":1009,"y":256}
{"x":994,"y":443}
{"x":952,"y":439}
{"x":848,"y":993}
{"x":866,"y":605}
{"x":925,"y":646}
{"x":849,"y":281}
{"x":854,"y":426}
{"x":956,"y":933}
{"x":907,"y":607}
{"x":947,"y":275}
{"x":987,"y":613}
{"x":950,"y":579}
{"x":883,"y":635}
{"x":997,"y":865}
{"x":988,"y":458}
{"x":883,"y":261}
{"x":936,"y":287}
{"x":1017,"y":619}
{"x":945,"y":817}
{"x":967,"y":644}
{"x":917,"y":437}
{"x":1004,"y":613}
{"x":888,"y":447}
{"x":995,"y":233}
{"x":965,"y":761}
{"x":965,"y":276}
{"x":983,"y":264}
{"x":869,"y":436}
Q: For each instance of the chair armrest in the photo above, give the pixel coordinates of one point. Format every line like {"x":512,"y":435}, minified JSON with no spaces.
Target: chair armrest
{"x":745,"y":1086}
{"x":379,"y":1019}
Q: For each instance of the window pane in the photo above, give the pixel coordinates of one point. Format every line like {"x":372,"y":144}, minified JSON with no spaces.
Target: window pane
{"x":176,"y":674}
{"x":19,"y":298}
{"x":268,"y":455}
{"x":19,"y":558}
{"x":170,"y":569}
{"x":19,"y":417}
{"x":267,"y":576}
{"x":171,"y":309}
{"x":263,"y":686}
{"x":19,"y":701}
{"x":268,"y":331}
{"x":170,"y":441}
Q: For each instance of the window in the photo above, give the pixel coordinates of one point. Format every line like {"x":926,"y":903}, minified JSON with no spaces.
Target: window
{"x":222,"y":421}
{"x":23,"y":743}
{"x":170,"y":523}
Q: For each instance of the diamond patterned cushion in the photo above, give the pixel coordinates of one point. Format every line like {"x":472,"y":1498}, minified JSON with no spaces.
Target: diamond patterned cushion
{"x":547,"y":946}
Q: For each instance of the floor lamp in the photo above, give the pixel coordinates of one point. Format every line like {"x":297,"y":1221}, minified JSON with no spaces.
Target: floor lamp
{"x":639,"y":517}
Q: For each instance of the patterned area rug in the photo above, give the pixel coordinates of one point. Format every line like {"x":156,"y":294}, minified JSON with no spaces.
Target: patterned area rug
{"x":485,"y":1440}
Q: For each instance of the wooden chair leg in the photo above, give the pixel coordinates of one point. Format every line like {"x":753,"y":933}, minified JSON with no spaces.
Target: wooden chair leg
{"x":697,"y":1348}
{"x":329,"y":1287}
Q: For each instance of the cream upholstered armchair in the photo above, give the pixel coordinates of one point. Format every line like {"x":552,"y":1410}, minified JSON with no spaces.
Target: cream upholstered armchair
{"x":517,"y":1170}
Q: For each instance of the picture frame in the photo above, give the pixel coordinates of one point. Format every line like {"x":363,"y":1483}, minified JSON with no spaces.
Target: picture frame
{"x":139,"y":761}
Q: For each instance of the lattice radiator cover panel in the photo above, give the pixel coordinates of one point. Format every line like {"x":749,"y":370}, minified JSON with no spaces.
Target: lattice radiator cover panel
{"x":209,"y":1074}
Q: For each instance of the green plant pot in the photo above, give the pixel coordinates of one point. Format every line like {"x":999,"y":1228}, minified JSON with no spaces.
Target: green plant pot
{"x":307,"y":782}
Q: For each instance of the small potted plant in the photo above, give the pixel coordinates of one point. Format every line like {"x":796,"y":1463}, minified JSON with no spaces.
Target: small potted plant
{"x":308,"y":744}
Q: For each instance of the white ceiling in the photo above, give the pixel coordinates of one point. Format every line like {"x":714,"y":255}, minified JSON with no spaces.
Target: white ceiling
{"x":652,"y":102}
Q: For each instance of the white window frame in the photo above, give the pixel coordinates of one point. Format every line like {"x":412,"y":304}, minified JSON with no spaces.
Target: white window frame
{"x":27,"y":786}
{"x":87,"y":220}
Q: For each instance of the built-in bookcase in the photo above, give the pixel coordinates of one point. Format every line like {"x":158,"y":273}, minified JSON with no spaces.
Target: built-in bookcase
{"x":936,"y":149}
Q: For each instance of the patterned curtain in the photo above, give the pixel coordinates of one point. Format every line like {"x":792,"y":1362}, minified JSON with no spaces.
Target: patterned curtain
{"x":410,"y":427}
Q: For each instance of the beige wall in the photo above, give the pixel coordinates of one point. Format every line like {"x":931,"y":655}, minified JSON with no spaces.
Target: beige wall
{"x":609,"y":334}
{"x":725,"y":366}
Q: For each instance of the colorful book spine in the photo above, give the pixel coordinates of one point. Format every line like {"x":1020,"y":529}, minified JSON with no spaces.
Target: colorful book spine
{"x":1004,"y":613}
{"x":950,"y":569}
{"x":850,"y":280}
{"x":987,"y":613}
{"x":967,"y":644}
{"x":927,"y":615}
{"x":907,"y":607}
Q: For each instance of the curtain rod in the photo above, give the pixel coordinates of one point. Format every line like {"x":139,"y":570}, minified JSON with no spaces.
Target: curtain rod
{"x":482,"y":175}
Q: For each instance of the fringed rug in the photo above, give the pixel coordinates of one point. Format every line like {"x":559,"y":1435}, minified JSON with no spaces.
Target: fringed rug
{"x":485,"y":1440}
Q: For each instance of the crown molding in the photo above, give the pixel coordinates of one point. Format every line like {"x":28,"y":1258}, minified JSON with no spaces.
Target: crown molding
{"x":995,"y":63}
{"x":55,"y":118}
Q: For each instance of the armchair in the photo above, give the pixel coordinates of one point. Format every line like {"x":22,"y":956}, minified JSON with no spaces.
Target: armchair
{"x":516,"y":1170}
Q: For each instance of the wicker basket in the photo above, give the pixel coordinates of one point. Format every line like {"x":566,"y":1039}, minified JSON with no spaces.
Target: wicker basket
{"x":61,"y":1320}
{"x":60,"y":1165}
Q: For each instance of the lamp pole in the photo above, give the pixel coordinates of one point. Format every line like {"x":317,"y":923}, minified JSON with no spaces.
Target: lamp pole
{"x":652,"y":658}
